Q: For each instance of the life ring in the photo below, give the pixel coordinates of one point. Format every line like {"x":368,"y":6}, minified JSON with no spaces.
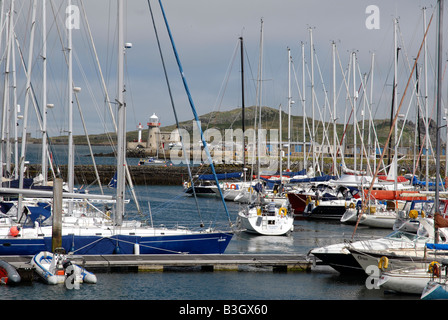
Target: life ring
{"x":308,"y":200}
{"x":413,"y":214}
{"x":233,"y":186}
{"x":282,"y":212}
{"x":383,"y":263}
{"x":434,"y":268}
{"x":352,"y":206}
{"x":250,"y":189}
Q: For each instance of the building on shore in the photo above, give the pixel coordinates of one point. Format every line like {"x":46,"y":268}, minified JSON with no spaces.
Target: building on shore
{"x":157,"y":141}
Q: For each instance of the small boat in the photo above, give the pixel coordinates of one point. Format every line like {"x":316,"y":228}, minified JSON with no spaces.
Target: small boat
{"x":53,"y":268}
{"x":154,"y":161}
{"x":408,"y":280}
{"x":266,"y":220}
{"x":8,"y":274}
{"x":436,"y":288}
{"x":328,"y":209}
{"x":377,"y":216}
{"x":340,"y":257}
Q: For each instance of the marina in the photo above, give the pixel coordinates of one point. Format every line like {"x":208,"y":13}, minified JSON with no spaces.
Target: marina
{"x":282,"y":206}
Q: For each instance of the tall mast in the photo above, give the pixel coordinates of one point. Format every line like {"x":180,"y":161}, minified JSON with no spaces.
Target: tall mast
{"x":303,"y":107}
{"x":370,"y":114}
{"x":395,"y":104}
{"x":71,"y":157}
{"x":5,"y":153}
{"x":425,"y":68}
{"x":335,"y":169}
{"x":121,"y":121}
{"x":289,"y":110}
{"x":260,"y":86}
{"x":313,"y":137}
{"x":355,"y":121}
{"x":242,"y":106}
{"x":27,"y":99}
{"x":44,"y":94}
{"x":439,"y":112}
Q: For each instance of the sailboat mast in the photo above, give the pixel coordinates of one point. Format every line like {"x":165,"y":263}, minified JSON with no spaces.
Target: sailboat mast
{"x":395,"y":159}
{"x":121,"y":131}
{"x":313,"y":137}
{"x":439,"y":113}
{"x":355,"y":120}
{"x":260,"y":86}
{"x":304,"y":108}
{"x":289,"y":111}
{"x":425,"y":62}
{"x":335,"y":168}
{"x":27,"y":99}
{"x":44,"y":168}
{"x":242,"y":106}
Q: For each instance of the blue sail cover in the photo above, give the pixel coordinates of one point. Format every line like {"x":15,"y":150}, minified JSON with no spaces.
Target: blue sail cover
{"x":415,"y":181}
{"x":292,"y":174}
{"x":437,"y":246}
{"x":315,"y":179}
{"x":221,"y":176}
{"x":41,"y":212}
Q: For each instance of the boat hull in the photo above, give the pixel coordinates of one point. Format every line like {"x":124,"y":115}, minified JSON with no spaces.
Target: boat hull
{"x":8,"y":274}
{"x":434,"y":291}
{"x":405,"y":281}
{"x":344,"y":263}
{"x":201,"y":243}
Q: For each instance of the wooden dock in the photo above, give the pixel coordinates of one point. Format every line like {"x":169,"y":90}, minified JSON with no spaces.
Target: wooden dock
{"x":187,"y":262}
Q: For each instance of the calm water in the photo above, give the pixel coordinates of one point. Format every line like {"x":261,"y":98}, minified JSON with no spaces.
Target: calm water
{"x":169,"y":205}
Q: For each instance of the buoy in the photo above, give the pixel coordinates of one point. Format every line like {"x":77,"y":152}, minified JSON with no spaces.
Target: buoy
{"x":136,"y":249}
{"x":14,"y":231}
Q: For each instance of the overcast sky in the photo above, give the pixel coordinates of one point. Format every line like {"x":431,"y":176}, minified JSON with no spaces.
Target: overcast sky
{"x":206,"y":35}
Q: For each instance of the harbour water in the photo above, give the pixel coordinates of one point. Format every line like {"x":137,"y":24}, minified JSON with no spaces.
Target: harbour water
{"x":168,"y":205}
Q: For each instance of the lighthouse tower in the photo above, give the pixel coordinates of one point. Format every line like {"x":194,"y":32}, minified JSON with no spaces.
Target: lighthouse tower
{"x":140,"y":128}
{"x":153,"y":134}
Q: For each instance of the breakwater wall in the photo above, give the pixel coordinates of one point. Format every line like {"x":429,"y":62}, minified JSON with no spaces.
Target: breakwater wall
{"x":141,"y":175}
{"x":176,"y":175}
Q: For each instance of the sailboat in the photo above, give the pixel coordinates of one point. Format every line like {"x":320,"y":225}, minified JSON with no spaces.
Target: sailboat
{"x":105,"y":235}
{"x":261,"y":218}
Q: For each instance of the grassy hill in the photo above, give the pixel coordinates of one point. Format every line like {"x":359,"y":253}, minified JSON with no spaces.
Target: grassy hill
{"x":270,"y":120}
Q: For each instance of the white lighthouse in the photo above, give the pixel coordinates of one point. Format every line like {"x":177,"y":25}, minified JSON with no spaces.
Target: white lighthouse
{"x":140,"y":128}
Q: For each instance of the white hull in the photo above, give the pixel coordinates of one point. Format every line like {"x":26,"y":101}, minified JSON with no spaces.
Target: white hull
{"x":410,"y":281}
{"x":381,"y":219}
{"x":52,"y":269}
{"x":268,"y":225}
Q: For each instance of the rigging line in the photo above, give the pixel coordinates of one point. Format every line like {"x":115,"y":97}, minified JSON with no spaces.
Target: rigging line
{"x":223,"y":88}
{"x":190,"y":99}
{"x":187,"y":161}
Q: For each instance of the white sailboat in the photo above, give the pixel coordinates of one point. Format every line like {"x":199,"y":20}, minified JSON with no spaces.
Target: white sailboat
{"x":265,"y":219}
{"x":268,"y":220}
